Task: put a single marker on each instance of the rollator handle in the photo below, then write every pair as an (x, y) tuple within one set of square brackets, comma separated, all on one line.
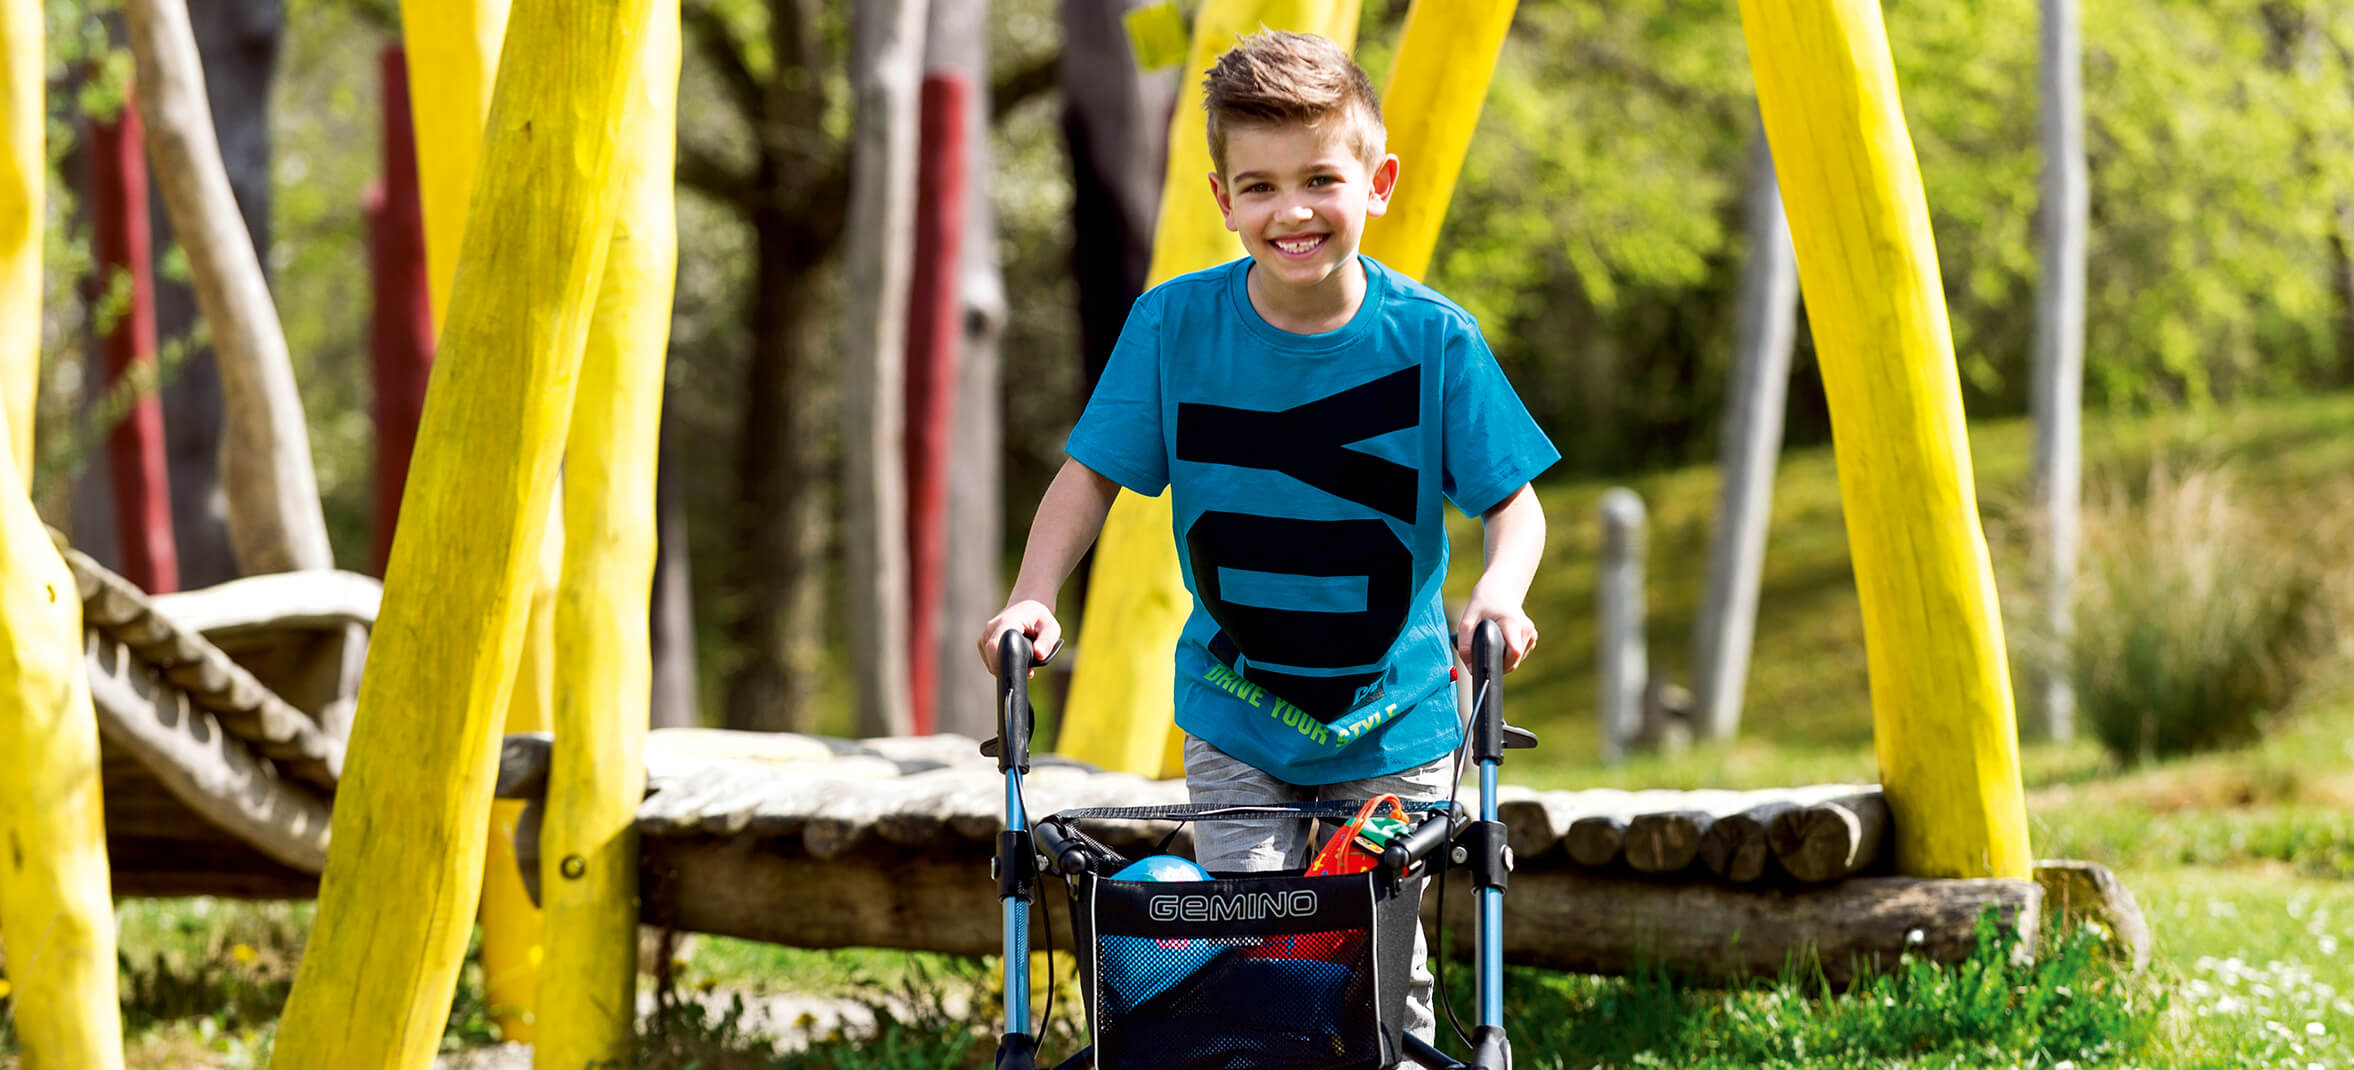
[(1434, 832), (1011, 747), (1490, 736), (1060, 851)]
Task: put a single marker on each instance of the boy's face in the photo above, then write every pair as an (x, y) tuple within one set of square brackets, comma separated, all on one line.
[(1299, 196)]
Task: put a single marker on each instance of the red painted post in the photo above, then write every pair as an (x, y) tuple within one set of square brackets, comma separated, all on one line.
[(935, 329), (134, 448), (400, 333)]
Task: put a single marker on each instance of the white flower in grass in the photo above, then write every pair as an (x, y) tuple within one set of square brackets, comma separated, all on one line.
[(2064, 1064), (2316, 1029), (1915, 938), (2327, 945)]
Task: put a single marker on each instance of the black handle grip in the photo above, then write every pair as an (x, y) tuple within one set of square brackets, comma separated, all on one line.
[(1014, 717), (1487, 711), (1433, 833), (1061, 851)]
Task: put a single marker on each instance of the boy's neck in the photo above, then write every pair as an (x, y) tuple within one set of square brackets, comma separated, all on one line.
[(1327, 306)]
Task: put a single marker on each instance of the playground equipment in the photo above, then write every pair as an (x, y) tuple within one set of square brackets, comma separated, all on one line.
[(879, 843)]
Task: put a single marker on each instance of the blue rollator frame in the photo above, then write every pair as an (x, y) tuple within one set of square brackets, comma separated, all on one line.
[(1442, 840)]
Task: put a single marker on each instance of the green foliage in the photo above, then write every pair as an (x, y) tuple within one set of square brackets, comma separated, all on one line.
[(1596, 230), (2196, 621), (1989, 1010)]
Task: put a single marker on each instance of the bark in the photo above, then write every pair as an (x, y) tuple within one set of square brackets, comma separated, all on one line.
[(238, 42), (782, 524), (2342, 265), (1116, 125), (958, 40), (274, 516), (887, 68), (1747, 454), (671, 630), (2057, 390)]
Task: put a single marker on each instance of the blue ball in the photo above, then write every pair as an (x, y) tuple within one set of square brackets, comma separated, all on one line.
[(1136, 968), (1162, 868)]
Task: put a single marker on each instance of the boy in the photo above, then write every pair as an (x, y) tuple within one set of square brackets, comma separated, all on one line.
[(1311, 412)]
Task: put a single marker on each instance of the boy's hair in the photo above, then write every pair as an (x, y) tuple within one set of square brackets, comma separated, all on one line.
[(1273, 77)]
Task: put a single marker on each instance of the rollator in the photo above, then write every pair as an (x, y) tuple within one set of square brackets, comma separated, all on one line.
[(1260, 971)]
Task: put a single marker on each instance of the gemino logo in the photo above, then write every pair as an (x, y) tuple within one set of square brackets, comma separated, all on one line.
[(1245, 906)]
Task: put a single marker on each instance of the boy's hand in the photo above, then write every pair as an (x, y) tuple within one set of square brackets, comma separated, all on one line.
[(1520, 633), (1029, 617)]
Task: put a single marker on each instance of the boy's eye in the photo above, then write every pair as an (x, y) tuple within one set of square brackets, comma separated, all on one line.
[(1257, 187), (1322, 180)]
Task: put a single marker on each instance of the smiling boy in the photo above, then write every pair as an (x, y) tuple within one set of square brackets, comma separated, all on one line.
[(1311, 413)]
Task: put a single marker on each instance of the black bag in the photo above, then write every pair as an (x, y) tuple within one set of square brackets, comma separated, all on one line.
[(1249, 972)]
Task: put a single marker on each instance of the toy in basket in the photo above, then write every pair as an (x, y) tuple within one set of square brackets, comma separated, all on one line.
[(1297, 970)]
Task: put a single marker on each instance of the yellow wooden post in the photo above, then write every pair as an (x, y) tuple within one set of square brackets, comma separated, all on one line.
[(510, 923), (21, 165), (1446, 59), (453, 52), (56, 910), (1941, 693), (588, 843), (406, 866)]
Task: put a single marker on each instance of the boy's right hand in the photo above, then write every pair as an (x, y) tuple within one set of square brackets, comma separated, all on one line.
[(1029, 617)]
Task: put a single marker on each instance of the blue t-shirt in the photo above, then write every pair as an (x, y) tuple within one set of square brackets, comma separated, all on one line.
[(1307, 474)]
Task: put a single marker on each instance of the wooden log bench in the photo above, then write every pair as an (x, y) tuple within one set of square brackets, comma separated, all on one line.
[(824, 843)]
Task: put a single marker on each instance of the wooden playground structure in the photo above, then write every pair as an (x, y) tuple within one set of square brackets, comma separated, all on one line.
[(285, 770)]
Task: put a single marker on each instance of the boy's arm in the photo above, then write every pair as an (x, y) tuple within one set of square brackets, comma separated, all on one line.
[(1514, 539), (1069, 517)]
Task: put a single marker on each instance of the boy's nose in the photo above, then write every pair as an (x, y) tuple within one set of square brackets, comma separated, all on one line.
[(1301, 212)]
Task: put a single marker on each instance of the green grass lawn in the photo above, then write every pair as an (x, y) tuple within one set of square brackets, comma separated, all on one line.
[(2243, 860)]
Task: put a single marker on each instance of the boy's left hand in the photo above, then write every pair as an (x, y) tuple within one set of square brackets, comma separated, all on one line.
[(1520, 633)]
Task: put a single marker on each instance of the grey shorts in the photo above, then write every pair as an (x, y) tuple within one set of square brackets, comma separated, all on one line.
[(1215, 777)]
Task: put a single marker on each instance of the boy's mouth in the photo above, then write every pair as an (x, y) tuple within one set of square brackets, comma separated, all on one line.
[(1305, 245)]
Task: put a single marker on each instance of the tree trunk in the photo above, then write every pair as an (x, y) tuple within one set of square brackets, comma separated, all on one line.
[(958, 40), (783, 523), (237, 41), (134, 447), (1747, 455), (274, 517), (1116, 125), (2341, 246), (887, 67), (934, 349), (2058, 387), (671, 629), (400, 330)]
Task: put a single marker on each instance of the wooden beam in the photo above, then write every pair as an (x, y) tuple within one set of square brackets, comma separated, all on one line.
[(1702, 932), (209, 771)]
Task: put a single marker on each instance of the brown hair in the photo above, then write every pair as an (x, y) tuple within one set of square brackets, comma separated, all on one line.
[(1274, 77)]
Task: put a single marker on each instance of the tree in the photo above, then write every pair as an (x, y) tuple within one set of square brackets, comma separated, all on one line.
[(778, 72), (2058, 387)]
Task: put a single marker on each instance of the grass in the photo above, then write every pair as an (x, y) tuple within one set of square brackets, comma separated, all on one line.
[(2243, 859)]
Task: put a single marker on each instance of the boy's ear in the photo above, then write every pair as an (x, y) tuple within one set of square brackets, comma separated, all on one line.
[(1385, 182), (1225, 201)]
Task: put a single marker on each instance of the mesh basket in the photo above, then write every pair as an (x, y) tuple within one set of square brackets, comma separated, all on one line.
[(1266, 971)]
